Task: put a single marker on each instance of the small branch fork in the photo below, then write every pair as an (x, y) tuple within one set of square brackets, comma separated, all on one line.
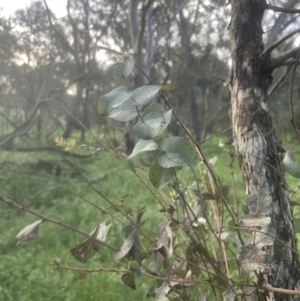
[(279, 290)]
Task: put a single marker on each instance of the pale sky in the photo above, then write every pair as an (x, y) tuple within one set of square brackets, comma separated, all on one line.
[(10, 6)]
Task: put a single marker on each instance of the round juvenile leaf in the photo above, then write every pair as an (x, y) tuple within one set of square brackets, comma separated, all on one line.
[(155, 107), (143, 131), (160, 177), (124, 66), (113, 99), (127, 64), (149, 157), (117, 71), (147, 129), (143, 95), (133, 265), (124, 112), (176, 151), (153, 125), (158, 119), (141, 146)]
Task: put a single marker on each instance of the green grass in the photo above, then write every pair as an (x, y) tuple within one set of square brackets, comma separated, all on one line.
[(27, 270)]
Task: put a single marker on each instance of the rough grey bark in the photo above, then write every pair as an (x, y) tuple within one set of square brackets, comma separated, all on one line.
[(256, 145)]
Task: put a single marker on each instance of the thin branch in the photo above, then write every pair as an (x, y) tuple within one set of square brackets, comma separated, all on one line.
[(13, 204), (24, 127), (107, 49), (175, 279), (283, 9), (277, 64), (83, 270), (72, 82), (280, 80), (280, 290), (287, 55), (49, 13), (101, 209), (280, 41)]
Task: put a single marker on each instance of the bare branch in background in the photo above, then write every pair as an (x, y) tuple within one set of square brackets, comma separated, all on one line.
[(283, 9), (287, 55), (7, 119), (284, 59), (279, 42), (280, 80), (24, 128)]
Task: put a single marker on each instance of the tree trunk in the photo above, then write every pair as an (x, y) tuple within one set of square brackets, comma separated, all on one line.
[(256, 145), (191, 82)]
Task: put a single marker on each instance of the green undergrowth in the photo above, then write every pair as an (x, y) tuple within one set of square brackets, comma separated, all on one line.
[(52, 185)]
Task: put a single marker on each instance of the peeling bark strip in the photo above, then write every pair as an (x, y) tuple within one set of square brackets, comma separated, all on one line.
[(255, 141)]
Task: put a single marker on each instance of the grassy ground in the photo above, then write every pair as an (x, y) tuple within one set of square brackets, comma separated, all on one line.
[(32, 179)]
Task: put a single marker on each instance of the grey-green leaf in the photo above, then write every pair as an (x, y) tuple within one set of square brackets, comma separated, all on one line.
[(176, 151), (124, 112), (127, 64), (143, 95), (155, 107), (113, 99), (160, 177), (141, 146), (149, 157), (154, 124)]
